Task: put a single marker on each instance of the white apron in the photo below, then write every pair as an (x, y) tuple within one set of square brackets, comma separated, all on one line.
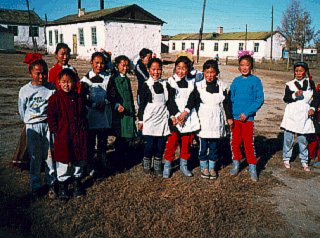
[(156, 115), (295, 116), (211, 112), (181, 98)]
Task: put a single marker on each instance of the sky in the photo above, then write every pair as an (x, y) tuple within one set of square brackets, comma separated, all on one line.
[(184, 16)]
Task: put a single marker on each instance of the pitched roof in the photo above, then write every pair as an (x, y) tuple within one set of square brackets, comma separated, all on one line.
[(19, 17), (130, 13), (224, 36)]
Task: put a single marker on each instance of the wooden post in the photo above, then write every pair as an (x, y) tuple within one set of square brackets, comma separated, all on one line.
[(201, 30), (271, 46), (30, 28)]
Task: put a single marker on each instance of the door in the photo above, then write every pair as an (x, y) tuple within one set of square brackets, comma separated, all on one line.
[(75, 44)]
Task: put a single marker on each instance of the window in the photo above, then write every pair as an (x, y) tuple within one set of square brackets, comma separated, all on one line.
[(173, 46), (216, 47), (81, 36), (94, 35), (183, 46), (240, 46), (225, 47), (50, 38), (61, 38), (202, 46), (192, 45), (256, 47), (33, 31), (13, 29), (56, 36)]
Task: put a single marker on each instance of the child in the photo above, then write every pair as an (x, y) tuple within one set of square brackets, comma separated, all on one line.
[(153, 116), (94, 85), (210, 96), (299, 96), (246, 96), (67, 121), (181, 133), (141, 69), (119, 93), (33, 105), (62, 55)]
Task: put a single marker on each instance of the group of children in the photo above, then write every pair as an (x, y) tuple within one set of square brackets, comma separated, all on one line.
[(68, 123)]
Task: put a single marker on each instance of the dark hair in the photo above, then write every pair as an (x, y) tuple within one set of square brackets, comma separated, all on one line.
[(119, 58), (155, 60), (62, 46), (143, 53), (303, 65), (39, 62), (211, 64), (98, 54), (249, 58), (68, 72), (185, 60)]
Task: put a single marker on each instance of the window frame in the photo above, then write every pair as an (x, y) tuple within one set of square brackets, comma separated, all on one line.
[(50, 38), (256, 47), (94, 38), (13, 29), (226, 47), (216, 46), (33, 31), (81, 36)]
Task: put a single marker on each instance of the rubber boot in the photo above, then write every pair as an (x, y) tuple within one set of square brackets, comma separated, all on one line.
[(63, 191), (212, 165), (146, 163), (157, 166), (235, 167), (167, 169), (253, 172), (204, 169), (184, 168), (77, 188)]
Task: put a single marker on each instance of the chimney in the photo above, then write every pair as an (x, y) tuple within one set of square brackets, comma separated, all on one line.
[(81, 12), (79, 4), (219, 29), (101, 4)]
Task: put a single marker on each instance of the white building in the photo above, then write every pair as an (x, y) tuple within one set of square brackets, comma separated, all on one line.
[(6, 40), (17, 22), (308, 51), (121, 30), (228, 44)]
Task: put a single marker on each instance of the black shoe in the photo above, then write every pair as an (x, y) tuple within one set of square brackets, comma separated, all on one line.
[(77, 188), (63, 191)]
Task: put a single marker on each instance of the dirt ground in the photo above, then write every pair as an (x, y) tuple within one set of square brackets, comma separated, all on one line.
[(127, 203)]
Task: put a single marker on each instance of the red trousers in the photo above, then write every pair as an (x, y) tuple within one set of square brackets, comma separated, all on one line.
[(314, 146), (243, 132), (172, 145)]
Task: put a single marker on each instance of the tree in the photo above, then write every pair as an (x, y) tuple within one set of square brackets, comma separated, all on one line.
[(297, 27)]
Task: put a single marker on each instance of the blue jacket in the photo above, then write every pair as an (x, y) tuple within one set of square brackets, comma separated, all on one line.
[(246, 96)]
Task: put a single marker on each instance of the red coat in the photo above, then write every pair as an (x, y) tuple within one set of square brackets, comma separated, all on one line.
[(67, 119), (54, 72)]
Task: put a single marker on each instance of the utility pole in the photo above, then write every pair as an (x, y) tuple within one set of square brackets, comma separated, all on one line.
[(245, 41), (271, 46), (201, 30), (31, 29)]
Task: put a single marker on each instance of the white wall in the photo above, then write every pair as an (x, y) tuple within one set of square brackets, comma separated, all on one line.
[(6, 41), (308, 51)]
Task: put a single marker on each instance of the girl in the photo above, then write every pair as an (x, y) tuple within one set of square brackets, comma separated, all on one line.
[(62, 55), (299, 96), (246, 96), (189, 121), (210, 96), (153, 116), (67, 121), (119, 93), (33, 105), (94, 86)]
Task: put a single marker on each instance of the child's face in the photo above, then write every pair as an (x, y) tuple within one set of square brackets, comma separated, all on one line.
[(146, 59), (63, 56), (97, 64), (38, 75), (299, 73), (123, 67), (66, 83), (181, 70), (210, 74), (245, 67), (155, 71)]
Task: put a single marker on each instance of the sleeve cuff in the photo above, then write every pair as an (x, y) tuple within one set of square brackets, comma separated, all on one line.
[(116, 106), (294, 96), (178, 114), (187, 110)]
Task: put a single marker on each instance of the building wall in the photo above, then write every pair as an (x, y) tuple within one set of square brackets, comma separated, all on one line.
[(233, 47), (119, 38), (308, 51), (6, 41), (23, 39)]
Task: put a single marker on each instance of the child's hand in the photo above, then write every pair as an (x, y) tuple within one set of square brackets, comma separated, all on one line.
[(182, 116), (299, 93), (120, 108), (140, 126), (174, 121), (230, 122), (242, 117), (310, 112)]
